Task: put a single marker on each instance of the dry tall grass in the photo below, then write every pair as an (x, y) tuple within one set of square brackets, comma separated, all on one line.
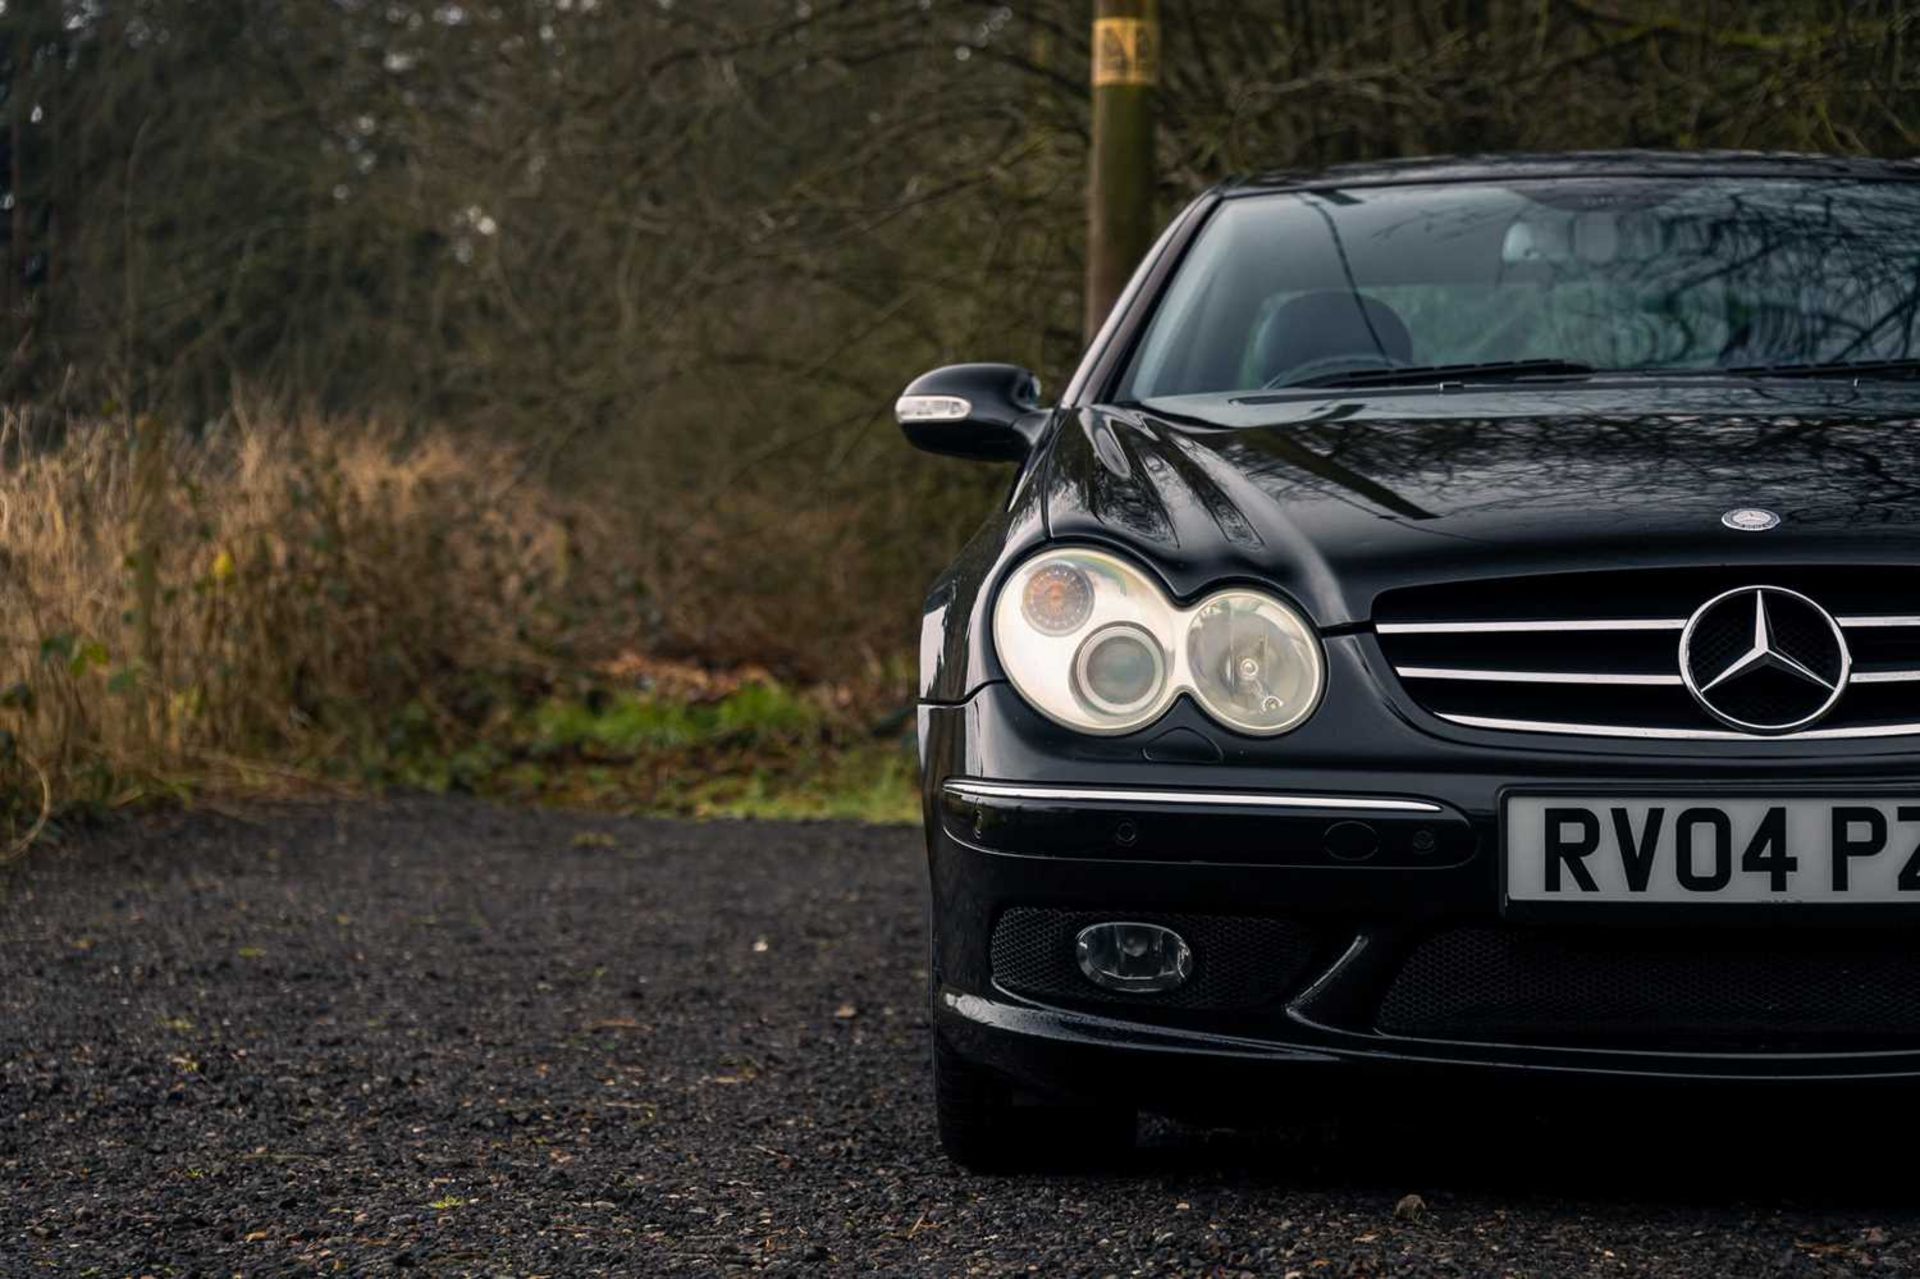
[(258, 603)]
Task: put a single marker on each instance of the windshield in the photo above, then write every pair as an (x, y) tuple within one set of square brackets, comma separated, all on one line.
[(1636, 273)]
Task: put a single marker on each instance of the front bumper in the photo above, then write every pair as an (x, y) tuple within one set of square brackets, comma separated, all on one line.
[(1365, 862)]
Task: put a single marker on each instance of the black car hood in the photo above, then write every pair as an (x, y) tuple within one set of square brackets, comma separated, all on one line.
[(1336, 500)]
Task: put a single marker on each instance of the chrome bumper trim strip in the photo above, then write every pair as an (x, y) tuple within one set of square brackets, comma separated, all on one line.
[(1197, 798)]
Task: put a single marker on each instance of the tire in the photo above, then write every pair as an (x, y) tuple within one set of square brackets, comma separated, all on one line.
[(984, 1128)]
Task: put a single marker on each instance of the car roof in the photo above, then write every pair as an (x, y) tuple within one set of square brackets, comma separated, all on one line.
[(1576, 164)]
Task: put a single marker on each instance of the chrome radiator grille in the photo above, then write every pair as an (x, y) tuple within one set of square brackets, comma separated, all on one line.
[(1598, 654)]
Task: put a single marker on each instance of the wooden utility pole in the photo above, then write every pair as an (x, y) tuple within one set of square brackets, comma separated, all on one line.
[(19, 93), (1126, 68)]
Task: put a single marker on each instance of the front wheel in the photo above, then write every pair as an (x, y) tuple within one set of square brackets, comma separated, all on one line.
[(984, 1127)]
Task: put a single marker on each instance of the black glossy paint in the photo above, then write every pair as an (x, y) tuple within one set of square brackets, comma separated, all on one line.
[(1006, 420), (1332, 498)]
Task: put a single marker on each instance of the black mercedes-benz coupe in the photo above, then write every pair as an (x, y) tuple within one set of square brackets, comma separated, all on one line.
[(1461, 616)]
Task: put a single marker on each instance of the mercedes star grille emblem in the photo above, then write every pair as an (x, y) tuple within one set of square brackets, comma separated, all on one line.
[(1750, 519), (1764, 659)]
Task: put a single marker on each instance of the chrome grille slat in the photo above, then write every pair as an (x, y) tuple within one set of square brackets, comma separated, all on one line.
[(1489, 676), (1523, 627), (1542, 677), (1677, 734), (1517, 655), (1867, 623)]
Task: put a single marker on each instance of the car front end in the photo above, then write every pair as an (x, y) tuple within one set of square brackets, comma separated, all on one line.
[(1519, 718)]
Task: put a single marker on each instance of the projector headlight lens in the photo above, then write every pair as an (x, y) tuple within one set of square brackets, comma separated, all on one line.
[(1119, 669), (1091, 642)]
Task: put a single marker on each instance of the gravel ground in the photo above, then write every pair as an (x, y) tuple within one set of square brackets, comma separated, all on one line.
[(444, 1037)]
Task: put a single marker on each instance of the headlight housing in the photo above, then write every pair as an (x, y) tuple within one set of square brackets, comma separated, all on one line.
[(1092, 643)]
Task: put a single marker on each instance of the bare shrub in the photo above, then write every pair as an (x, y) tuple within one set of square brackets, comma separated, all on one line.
[(311, 581)]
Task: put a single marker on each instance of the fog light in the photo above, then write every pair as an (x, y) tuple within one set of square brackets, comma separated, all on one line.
[(1139, 958)]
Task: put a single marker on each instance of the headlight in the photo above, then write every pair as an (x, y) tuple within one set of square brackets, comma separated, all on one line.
[(1088, 640), (1255, 666), (1091, 643)]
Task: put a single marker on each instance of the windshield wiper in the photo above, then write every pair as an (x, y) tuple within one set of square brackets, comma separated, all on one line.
[(1832, 368), (1421, 374)]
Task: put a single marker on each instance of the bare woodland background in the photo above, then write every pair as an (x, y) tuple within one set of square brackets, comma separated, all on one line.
[(661, 265)]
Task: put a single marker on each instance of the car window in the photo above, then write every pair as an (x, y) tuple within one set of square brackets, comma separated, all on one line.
[(1664, 273)]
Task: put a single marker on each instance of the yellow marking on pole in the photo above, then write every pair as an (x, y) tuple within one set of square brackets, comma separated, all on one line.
[(1126, 51)]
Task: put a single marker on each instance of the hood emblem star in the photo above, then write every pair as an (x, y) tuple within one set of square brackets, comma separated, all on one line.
[(1750, 519)]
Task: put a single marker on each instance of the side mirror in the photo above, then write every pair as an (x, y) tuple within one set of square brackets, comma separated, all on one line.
[(989, 411)]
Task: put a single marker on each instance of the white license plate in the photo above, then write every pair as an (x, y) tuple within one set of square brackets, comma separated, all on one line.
[(1592, 848)]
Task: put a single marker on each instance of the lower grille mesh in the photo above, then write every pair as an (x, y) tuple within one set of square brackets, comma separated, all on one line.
[(1237, 962), (1756, 990)]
